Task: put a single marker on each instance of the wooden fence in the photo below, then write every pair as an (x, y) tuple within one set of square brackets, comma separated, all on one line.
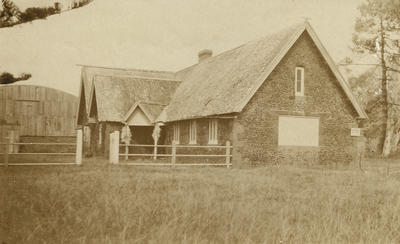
[(115, 153), (9, 150)]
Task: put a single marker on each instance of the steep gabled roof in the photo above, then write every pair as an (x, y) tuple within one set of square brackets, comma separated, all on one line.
[(89, 72), (114, 95), (150, 109), (225, 83)]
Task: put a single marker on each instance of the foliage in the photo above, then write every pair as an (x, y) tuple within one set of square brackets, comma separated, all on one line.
[(9, 13), (103, 204), (81, 3), (126, 134), (376, 32), (156, 132), (7, 78), (365, 86), (36, 13)]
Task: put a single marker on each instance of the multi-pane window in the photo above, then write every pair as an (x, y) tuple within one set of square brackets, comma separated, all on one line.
[(192, 132), (176, 133), (213, 131), (299, 81)]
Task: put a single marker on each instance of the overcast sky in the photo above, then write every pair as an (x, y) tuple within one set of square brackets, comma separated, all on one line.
[(158, 34)]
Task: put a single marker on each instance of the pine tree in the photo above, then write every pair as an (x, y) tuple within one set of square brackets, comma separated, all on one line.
[(375, 32), (9, 13)]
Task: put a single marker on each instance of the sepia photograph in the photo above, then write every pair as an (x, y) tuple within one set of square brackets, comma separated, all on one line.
[(199, 121)]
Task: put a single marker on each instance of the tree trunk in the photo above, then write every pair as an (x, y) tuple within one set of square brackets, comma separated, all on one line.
[(395, 141), (388, 139), (389, 126)]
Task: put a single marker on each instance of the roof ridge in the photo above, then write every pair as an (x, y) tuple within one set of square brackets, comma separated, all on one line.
[(138, 77), (152, 103), (212, 58), (126, 69)]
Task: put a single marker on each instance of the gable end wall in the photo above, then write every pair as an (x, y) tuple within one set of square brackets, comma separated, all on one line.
[(255, 131)]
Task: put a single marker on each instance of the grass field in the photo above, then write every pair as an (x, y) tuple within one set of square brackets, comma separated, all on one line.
[(107, 204)]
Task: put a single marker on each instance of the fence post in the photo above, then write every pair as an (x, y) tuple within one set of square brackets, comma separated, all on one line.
[(114, 147), (126, 152), (173, 158), (155, 150), (228, 154), (79, 147), (111, 147), (6, 152)]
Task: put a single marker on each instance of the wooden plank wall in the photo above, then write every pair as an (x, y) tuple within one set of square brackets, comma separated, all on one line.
[(39, 111)]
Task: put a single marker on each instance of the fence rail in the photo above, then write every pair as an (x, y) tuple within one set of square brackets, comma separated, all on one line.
[(8, 148), (115, 153)]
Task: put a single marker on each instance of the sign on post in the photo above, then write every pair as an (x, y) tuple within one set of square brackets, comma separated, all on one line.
[(355, 132)]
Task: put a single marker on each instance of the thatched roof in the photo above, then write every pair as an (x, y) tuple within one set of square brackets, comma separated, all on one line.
[(89, 72), (222, 84), (225, 83), (114, 95)]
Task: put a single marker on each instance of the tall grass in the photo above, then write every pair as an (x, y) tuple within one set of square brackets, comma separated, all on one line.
[(103, 204)]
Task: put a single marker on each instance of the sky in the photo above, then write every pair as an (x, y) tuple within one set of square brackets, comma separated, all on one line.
[(158, 34)]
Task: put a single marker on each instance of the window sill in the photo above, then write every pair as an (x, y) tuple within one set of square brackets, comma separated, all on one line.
[(192, 143), (213, 143)]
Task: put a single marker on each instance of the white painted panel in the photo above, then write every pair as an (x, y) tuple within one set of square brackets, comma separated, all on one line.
[(298, 131), (355, 132), (138, 117)]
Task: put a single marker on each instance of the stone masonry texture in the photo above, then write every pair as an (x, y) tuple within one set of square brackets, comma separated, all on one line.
[(256, 127)]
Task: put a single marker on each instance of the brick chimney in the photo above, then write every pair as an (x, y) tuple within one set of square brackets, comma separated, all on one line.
[(204, 54)]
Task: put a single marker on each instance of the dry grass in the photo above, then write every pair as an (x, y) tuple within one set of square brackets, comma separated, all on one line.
[(105, 204)]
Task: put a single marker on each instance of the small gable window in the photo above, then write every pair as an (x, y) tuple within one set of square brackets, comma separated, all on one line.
[(192, 132), (299, 81), (176, 133), (213, 131)]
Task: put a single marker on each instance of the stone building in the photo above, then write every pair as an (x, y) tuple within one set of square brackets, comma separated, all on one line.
[(279, 98)]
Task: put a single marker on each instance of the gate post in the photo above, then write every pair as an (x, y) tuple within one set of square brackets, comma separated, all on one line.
[(114, 147), (79, 147)]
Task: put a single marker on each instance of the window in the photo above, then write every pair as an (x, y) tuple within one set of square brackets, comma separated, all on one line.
[(192, 132), (299, 81), (298, 131), (213, 131), (176, 133)]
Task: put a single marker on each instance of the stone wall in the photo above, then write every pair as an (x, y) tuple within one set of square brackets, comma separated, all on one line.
[(256, 129)]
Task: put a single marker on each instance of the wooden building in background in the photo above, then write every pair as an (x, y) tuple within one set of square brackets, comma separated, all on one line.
[(36, 111)]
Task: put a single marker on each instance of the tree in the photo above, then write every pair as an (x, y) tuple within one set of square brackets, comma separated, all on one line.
[(7, 78), (36, 13), (376, 33), (9, 13)]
